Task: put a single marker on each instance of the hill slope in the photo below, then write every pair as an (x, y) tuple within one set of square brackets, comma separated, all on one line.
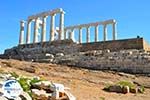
[(85, 84)]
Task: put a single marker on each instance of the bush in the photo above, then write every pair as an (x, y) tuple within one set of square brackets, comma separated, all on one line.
[(34, 81), (106, 88), (13, 74), (132, 87), (24, 84), (141, 89), (126, 83)]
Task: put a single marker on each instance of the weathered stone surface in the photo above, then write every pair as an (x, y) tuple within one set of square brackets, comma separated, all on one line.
[(90, 56), (42, 90), (29, 69), (3, 98), (25, 96), (126, 89), (134, 90), (116, 88), (59, 54)]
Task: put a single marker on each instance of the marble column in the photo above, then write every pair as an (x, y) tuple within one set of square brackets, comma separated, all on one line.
[(61, 26), (96, 33), (35, 38), (71, 34), (28, 31), (52, 28), (105, 32), (21, 37), (114, 31), (65, 34), (43, 36), (88, 34), (80, 35)]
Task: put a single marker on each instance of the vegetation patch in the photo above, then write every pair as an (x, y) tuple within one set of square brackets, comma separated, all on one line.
[(124, 87)]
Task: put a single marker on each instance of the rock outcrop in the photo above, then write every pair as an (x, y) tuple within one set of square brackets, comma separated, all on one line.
[(36, 89)]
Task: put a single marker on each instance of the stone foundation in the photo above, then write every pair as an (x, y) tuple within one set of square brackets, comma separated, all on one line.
[(128, 55)]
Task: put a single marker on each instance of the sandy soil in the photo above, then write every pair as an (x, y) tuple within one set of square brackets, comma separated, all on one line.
[(84, 84)]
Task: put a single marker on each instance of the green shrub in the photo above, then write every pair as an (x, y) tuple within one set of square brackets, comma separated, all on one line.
[(24, 84), (34, 81), (13, 74), (141, 89), (106, 88), (126, 83)]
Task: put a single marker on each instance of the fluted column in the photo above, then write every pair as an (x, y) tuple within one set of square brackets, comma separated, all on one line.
[(43, 36), (80, 35), (96, 33), (105, 32), (114, 31), (35, 38), (28, 31), (61, 26), (52, 28), (88, 34), (21, 37)]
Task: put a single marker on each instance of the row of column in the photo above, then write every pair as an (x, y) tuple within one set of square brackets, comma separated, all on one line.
[(71, 32), (41, 22)]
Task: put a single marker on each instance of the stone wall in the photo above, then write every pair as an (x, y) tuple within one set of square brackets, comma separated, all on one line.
[(146, 46), (128, 55), (129, 61), (135, 43)]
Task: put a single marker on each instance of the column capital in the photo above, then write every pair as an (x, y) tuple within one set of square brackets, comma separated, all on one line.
[(44, 16), (53, 14), (88, 27), (96, 25), (80, 28), (30, 20), (114, 23), (22, 21), (62, 12)]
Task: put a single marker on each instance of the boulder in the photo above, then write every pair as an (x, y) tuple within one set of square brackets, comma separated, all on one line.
[(126, 89), (59, 54), (25, 96), (3, 98), (115, 88), (40, 94), (134, 90), (50, 56), (29, 69)]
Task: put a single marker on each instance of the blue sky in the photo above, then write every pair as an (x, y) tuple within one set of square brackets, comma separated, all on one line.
[(132, 16)]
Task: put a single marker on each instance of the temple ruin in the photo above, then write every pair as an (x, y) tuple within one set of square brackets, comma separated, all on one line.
[(88, 51), (40, 22)]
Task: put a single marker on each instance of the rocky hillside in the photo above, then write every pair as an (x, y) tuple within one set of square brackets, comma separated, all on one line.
[(84, 84)]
